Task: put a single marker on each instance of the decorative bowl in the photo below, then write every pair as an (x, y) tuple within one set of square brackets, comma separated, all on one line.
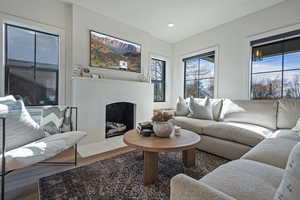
[(163, 129)]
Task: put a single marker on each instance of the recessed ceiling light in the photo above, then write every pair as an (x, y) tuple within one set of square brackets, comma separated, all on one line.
[(170, 25)]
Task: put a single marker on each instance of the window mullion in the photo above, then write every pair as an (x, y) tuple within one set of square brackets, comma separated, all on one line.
[(282, 67), (34, 69)]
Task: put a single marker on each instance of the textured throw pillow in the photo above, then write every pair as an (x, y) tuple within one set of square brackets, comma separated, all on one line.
[(53, 118), (20, 128), (289, 188), (200, 110), (182, 108)]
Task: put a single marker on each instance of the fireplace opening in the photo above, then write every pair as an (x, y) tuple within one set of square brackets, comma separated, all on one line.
[(119, 118)]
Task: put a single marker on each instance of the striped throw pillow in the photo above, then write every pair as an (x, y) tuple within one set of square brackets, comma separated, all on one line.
[(53, 118)]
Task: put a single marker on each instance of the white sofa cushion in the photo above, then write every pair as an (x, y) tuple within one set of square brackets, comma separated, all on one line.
[(20, 128), (288, 113), (286, 133), (289, 188), (243, 133), (259, 112), (191, 124), (245, 179), (200, 109), (41, 150), (273, 151), (182, 107)]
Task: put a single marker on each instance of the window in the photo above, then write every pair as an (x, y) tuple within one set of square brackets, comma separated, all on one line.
[(31, 65), (199, 75), (276, 70), (159, 79)]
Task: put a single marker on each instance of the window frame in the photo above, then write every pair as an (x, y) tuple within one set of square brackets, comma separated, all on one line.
[(163, 81), (199, 56), (6, 69), (282, 54)]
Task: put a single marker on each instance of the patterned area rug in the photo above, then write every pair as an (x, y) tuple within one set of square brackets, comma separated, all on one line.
[(121, 177)]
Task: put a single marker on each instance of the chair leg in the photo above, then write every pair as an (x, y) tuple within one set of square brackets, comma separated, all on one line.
[(75, 152), (2, 186)]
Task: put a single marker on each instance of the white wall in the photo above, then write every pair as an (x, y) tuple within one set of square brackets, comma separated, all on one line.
[(75, 22), (85, 20), (232, 40), (49, 16)]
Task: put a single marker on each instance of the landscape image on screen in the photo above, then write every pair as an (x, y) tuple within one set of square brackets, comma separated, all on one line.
[(113, 53)]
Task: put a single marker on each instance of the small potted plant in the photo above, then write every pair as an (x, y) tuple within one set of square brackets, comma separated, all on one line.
[(162, 124)]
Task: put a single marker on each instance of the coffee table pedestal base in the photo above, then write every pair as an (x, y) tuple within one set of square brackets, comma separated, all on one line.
[(150, 167), (188, 157)]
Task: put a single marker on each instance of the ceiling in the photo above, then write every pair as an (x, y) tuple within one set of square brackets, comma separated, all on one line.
[(189, 16)]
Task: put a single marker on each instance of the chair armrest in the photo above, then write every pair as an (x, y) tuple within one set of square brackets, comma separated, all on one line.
[(186, 188)]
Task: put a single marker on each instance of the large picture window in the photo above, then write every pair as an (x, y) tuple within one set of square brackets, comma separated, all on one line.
[(158, 68), (31, 65), (199, 75), (276, 70)]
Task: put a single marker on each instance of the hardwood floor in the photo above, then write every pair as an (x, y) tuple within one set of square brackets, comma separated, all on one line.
[(32, 192)]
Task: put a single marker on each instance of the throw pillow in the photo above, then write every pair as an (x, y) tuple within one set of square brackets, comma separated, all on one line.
[(7, 99), (20, 128), (67, 125), (52, 118), (297, 127), (201, 110), (289, 188), (182, 108)]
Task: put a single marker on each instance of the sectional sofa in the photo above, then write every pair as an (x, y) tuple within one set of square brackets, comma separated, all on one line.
[(258, 135), (239, 125)]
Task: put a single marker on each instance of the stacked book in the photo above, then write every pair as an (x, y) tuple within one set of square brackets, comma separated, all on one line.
[(145, 128)]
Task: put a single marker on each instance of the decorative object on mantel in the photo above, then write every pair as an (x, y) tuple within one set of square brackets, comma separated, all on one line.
[(162, 124), (85, 71), (145, 128)]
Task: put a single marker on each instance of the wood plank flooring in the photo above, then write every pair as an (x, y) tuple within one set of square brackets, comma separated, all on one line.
[(31, 192)]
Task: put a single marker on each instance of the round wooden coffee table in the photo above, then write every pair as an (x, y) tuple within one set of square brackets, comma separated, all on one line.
[(151, 146)]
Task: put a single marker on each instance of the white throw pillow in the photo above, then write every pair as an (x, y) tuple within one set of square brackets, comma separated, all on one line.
[(201, 110), (20, 128), (182, 108), (7, 99), (289, 188)]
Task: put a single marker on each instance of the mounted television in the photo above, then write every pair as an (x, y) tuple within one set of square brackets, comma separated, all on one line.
[(113, 53)]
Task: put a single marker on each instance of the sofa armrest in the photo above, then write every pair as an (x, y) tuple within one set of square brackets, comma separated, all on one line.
[(186, 188)]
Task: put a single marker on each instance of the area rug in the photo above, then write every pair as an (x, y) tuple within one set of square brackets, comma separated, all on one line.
[(121, 178)]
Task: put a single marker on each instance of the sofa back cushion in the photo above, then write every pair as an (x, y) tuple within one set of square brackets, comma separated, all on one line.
[(258, 112), (20, 128), (289, 187), (288, 113)]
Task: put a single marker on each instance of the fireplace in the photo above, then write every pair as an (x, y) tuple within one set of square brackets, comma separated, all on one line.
[(120, 117)]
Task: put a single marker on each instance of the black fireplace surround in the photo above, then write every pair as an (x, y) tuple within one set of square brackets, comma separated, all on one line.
[(119, 118)]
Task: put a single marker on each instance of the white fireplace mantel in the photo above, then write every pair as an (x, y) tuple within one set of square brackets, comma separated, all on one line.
[(91, 97)]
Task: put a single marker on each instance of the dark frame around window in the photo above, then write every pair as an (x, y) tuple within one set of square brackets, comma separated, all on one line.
[(281, 71), (210, 54), (156, 82), (35, 66)]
